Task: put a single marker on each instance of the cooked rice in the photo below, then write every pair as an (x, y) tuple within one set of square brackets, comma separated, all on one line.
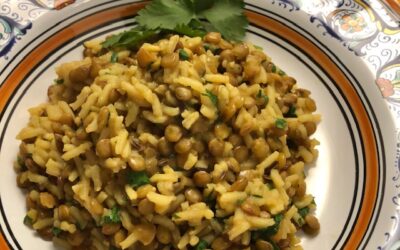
[(103, 170)]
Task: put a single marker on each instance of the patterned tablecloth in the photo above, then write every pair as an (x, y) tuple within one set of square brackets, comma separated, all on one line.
[(369, 28)]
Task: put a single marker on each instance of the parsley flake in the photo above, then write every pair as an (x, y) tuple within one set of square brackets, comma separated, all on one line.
[(201, 245), (183, 55), (59, 81), (280, 123), (56, 231), (112, 217), (137, 179), (213, 97), (273, 69), (269, 231), (261, 94), (292, 112), (304, 211)]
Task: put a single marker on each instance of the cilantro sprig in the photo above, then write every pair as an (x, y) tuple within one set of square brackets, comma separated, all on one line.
[(184, 17)]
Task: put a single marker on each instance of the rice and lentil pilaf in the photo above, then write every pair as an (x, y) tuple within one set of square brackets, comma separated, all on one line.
[(187, 143)]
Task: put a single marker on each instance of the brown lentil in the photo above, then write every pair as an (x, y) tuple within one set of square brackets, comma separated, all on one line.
[(201, 178), (173, 133), (183, 94), (183, 146), (193, 195), (103, 148), (263, 245), (137, 163), (216, 147), (241, 153)]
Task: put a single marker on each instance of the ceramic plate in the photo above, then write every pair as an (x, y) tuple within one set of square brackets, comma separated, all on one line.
[(345, 51)]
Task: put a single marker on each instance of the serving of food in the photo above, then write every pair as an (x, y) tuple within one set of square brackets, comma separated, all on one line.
[(181, 143)]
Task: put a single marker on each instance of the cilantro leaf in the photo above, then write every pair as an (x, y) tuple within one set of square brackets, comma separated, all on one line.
[(137, 179), (129, 39), (226, 14), (56, 231), (201, 245), (113, 217), (213, 98), (189, 30), (280, 123), (165, 14)]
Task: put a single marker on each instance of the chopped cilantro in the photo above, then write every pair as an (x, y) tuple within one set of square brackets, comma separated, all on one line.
[(213, 98), (304, 211), (280, 123), (137, 179), (261, 94), (183, 55), (114, 57), (59, 81), (113, 217), (214, 49), (281, 72), (257, 196), (56, 231), (269, 231), (273, 69), (258, 47), (291, 112), (210, 200), (201, 245), (28, 220)]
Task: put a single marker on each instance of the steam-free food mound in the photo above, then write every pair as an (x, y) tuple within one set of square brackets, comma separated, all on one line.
[(185, 143)]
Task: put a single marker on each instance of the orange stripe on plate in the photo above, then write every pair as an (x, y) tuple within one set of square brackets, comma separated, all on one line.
[(395, 5), (96, 20), (3, 244), (367, 134)]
